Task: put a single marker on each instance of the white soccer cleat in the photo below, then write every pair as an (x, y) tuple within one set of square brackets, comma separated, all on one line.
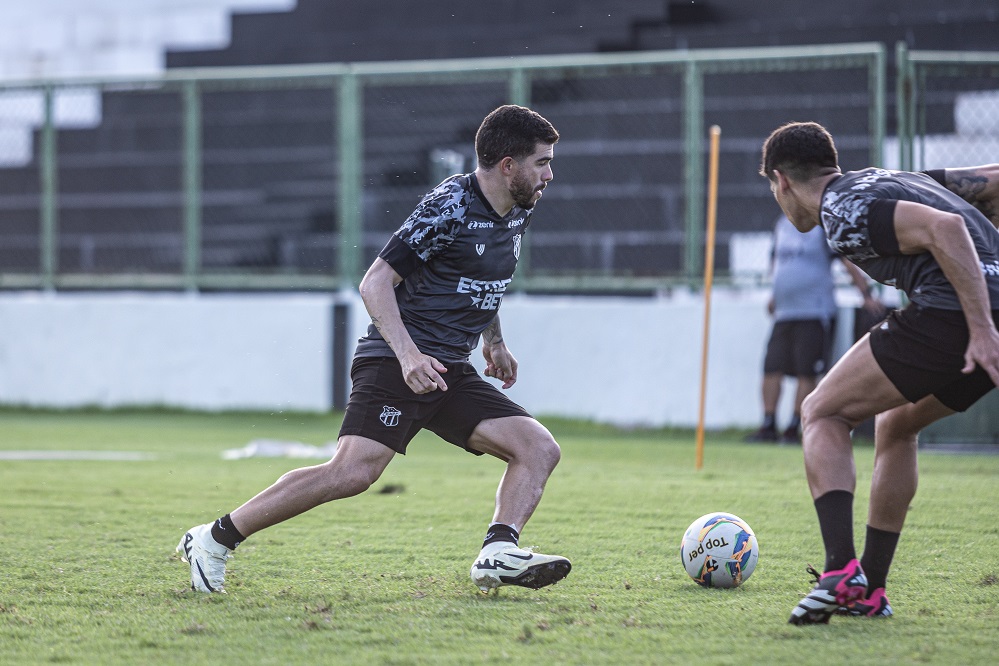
[(504, 563), (207, 558)]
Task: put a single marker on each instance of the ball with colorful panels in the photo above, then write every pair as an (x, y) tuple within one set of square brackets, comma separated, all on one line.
[(719, 550)]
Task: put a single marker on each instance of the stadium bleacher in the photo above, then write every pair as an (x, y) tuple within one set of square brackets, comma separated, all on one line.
[(268, 161)]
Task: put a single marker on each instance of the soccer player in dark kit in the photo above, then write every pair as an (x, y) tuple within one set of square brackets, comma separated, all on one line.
[(432, 292), (934, 236)]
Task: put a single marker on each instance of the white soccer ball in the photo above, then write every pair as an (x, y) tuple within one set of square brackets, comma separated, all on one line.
[(719, 550)]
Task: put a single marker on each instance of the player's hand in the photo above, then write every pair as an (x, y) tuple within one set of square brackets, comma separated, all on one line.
[(423, 373), (983, 350), (500, 364)]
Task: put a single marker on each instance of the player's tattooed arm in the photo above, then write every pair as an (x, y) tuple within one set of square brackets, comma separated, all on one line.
[(500, 363), (493, 335), (979, 186)]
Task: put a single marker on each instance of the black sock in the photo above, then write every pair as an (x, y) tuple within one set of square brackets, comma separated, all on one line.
[(879, 551), (226, 533), (795, 423), (769, 421), (835, 510), (501, 532)]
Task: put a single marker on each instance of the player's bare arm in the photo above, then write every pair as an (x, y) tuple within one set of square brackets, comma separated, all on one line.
[(500, 363), (859, 279), (422, 372), (979, 186), (920, 228)]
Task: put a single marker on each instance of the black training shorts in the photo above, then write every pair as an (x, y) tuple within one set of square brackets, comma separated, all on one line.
[(800, 348), (383, 408), (922, 352)]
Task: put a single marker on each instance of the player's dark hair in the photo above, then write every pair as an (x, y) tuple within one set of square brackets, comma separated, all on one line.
[(800, 151), (511, 131)]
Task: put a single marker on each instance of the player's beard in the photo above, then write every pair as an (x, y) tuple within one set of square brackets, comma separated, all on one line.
[(523, 192)]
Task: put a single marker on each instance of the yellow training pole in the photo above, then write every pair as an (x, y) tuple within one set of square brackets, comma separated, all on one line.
[(709, 271)]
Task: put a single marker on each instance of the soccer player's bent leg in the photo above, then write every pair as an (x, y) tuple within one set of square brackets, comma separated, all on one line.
[(854, 390), (895, 476), (893, 485), (531, 454), (357, 464)]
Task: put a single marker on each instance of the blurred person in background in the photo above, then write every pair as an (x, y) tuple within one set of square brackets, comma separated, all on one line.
[(803, 307)]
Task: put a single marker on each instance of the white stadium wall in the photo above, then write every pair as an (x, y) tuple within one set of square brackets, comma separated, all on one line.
[(200, 352), (638, 361), (623, 361)]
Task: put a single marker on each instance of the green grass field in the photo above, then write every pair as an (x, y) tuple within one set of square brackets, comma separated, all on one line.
[(88, 572)]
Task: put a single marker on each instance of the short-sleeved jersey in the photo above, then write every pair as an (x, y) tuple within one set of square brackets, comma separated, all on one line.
[(858, 216), (803, 282), (457, 257)]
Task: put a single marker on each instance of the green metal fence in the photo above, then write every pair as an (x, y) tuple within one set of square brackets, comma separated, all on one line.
[(948, 108), (293, 177)]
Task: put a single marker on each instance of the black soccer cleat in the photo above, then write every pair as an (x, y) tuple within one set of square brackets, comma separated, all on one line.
[(833, 589), (876, 605)]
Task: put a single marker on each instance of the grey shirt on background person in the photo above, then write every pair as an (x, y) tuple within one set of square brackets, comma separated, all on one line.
[(803, 282)]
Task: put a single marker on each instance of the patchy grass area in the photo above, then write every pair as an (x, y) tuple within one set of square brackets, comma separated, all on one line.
[(90, 575)]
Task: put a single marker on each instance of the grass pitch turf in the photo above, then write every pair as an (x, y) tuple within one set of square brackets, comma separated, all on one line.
[(88, 573)]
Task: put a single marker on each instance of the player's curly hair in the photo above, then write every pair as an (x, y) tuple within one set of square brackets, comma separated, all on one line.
[(511, 131), (800, 151)]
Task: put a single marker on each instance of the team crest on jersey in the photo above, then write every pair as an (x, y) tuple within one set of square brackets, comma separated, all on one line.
[(480, 248), (390, 416), (516, 246)]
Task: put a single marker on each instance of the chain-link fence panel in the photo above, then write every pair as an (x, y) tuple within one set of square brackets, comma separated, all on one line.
[(956, 115), (615, 207), (416, 134), (268, 168), (22, 113), (120, 198), (749, 100)]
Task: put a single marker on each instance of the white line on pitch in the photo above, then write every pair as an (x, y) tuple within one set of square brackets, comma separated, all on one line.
[(75, 455)]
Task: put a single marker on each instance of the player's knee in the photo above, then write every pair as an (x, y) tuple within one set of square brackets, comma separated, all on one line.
[(892, 427), (810, 410), (540, 451), (549, 452), (349, 480), (819, 406)]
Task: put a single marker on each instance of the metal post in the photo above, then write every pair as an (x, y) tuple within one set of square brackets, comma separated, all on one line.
[(520, 93), (693, 174), (878, 112), (49, 241), (351, 161), (519, 87), (903, 105), (192, 184), (918, 117)]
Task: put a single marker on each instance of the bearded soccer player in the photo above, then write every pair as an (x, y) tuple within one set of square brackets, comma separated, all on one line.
[(432, 292), (934, 236)]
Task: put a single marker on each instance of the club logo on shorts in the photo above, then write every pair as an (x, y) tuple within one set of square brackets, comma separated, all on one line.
[(390, 416), (516, 246), (480, 248)]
